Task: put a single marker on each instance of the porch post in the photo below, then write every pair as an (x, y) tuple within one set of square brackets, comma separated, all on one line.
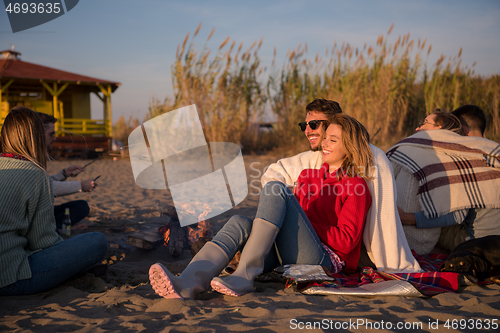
[(106, 91), (55, 94)]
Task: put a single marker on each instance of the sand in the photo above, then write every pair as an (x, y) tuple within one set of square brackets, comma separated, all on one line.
[(123, 300)]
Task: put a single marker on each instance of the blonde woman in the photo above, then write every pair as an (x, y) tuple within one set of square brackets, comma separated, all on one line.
[(33, 257), (322, 224)]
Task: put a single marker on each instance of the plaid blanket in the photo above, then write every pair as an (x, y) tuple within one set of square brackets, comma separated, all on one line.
[(428, 283), (454, 172)]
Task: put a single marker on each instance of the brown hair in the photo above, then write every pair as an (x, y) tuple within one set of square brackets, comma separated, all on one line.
[(46, 118), (23, 134), (328, 107), (448, 121), (356, 143), (471, 116)]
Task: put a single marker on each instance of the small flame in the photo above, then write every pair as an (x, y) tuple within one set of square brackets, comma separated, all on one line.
[(205, 213), (165, 231), (185, 209), (202, 229)]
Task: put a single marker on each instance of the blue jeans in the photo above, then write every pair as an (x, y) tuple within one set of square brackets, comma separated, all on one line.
[(296, 242), (55, 264), (78, 210)]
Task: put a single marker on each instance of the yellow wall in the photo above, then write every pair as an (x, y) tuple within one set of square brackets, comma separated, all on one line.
[(4, 109), (42, 106), (81, 104)]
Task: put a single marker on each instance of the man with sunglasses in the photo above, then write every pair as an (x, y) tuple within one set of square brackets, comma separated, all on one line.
[(385, 246), (317, 112)]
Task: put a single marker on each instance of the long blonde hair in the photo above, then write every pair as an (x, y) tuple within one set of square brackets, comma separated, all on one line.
[(23, 134), (356, 143)]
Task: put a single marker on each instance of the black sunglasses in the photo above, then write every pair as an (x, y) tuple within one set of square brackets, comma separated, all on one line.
[(313, 124)]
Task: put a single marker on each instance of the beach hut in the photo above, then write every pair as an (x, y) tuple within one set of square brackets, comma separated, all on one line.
[(62, 94)]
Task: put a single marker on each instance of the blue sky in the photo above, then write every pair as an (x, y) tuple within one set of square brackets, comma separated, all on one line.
[(134, 42)]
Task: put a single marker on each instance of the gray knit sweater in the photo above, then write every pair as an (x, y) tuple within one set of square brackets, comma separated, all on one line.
[(27, 222)]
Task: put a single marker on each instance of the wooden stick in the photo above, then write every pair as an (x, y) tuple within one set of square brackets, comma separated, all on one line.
[(86, 165)]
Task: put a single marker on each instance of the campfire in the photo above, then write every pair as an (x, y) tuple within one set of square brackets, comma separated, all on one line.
[(177, 238), (193, 236)]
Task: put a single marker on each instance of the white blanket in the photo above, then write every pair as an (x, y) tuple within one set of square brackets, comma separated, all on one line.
[(383, 236)]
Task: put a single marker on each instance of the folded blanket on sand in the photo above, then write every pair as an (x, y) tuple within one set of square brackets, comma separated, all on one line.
[(454, 172), (370, 282)]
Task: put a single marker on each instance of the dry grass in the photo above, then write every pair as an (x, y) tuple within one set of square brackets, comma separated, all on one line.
[(224, 88), (388, 87), (122, 128)]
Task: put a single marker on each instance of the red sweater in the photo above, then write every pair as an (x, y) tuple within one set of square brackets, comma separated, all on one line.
[(337, 210)]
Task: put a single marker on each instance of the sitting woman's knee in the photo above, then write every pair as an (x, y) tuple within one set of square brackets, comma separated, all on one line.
[(98, 242), (239, 221), (275, 188)]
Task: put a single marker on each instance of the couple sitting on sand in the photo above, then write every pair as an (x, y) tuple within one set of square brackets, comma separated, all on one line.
[(448, 180), (343, 198)]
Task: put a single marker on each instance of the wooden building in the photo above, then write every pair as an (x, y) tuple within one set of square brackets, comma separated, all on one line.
[(62, 94)]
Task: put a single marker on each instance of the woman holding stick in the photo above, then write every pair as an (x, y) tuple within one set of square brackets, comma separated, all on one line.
[(33, 257), (322, 224)]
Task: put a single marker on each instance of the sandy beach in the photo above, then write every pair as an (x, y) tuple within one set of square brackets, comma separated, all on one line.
[(123, 300)]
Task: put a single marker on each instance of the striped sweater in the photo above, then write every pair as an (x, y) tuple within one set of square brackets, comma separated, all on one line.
[(27, 222)]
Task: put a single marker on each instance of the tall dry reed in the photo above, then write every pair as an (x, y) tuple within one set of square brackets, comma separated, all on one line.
[(225, 88), (374, 85), (388, 87), (122, 128), (452, 85)]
